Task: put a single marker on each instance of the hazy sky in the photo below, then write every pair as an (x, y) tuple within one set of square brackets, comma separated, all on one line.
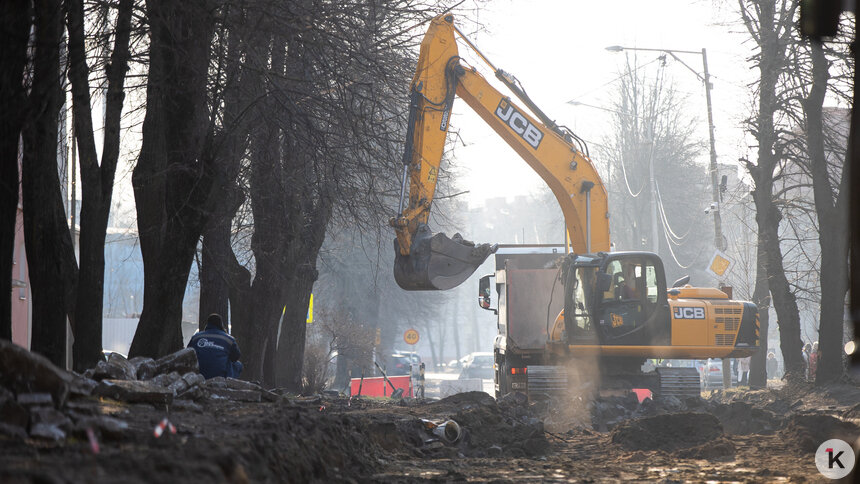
[(557, 51)]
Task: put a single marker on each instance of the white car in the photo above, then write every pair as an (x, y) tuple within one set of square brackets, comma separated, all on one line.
[(478, 365)]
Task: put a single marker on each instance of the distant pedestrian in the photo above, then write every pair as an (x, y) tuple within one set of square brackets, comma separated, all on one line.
[(743, 371), (772, 365), (735, 371), (217, 352), (813, 361)]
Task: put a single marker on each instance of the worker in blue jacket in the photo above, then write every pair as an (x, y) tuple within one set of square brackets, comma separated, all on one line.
[(217, 352)]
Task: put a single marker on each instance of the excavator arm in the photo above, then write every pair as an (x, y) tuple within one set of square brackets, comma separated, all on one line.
[(433, 261)]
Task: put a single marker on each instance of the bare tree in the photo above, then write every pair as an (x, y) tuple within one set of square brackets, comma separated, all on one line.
[(821, 148), (322, 115), (770, 23), (174, 174), (15, 21), (97, 179), (51, 258), (652, 134)]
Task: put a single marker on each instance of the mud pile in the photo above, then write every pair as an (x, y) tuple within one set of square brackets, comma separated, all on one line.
[(506, 428), (668, 432), (488, 428), (741, 418), (807, 432)]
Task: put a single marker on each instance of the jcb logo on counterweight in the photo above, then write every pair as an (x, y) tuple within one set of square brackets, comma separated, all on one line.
[(519, 123), (689, 313)]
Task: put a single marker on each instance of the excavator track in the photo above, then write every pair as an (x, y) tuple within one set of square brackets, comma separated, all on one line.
[(679, 382), (551, 380)]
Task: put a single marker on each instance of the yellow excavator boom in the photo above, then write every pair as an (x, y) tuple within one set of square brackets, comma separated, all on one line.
[(433, 261)]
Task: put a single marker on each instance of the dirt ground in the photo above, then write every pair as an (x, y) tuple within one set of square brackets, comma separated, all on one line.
[(761, 436)]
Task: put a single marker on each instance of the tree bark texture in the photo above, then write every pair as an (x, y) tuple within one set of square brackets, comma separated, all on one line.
[(230, 141), (15, 21), (761, 298), (830, 211), (267, 192), (96, 179), (174, 173), (214, 283), (46, 233), (770, 33)]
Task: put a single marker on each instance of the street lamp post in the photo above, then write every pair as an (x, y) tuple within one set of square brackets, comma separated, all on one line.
[(719, 241)]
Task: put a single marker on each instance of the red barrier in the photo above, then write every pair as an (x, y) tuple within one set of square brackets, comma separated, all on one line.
[(377, 387), (642, 394)]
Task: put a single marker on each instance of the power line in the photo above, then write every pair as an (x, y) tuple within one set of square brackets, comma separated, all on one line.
[(666, 219), (627, 183), (613, 80)]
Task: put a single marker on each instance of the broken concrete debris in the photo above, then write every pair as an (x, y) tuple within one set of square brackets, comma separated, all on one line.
[(39, 400), (135, 391), (24, 372)]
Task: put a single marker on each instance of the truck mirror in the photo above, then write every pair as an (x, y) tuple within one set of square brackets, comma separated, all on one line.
[(484, 292), (604, 282)]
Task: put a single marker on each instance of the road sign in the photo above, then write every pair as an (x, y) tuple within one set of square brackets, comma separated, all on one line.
[(310, 317), (720, 264), (410, 336)]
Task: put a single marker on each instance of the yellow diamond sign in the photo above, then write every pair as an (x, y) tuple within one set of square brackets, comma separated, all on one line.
[(720, 264)]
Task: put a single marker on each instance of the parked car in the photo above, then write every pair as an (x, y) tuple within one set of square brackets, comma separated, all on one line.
[(411, 354), (457, 364), (478, 365), (400, 364)]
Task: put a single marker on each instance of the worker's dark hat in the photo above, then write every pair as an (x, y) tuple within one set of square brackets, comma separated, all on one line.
[(214, 320)]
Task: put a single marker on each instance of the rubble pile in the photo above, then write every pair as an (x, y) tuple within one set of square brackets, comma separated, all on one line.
[(807, 432), (605, 413), (485, 428), (39, 400), (506, 428)]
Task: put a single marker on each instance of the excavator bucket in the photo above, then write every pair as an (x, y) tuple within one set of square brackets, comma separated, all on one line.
[(437, 262)]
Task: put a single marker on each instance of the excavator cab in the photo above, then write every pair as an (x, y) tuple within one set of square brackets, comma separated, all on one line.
[(630, 302), (437, 262)]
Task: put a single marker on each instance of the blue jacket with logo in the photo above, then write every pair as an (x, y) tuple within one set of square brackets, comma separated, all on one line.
[(216, 351)]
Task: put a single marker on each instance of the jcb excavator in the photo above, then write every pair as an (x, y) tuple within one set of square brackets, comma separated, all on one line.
[(557, 306)]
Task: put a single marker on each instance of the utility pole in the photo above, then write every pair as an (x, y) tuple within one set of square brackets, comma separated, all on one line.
[(655, 232), (719, 240)]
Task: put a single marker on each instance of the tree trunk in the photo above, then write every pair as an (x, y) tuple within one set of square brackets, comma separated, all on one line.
[(46, 233), (15, 20), (456, 320), (291, 344), (214, 265), (96, 179), (784, 301), (174, 173), (229, 141), (771, 25), (241, 304), (761, 298), (830, 211)]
